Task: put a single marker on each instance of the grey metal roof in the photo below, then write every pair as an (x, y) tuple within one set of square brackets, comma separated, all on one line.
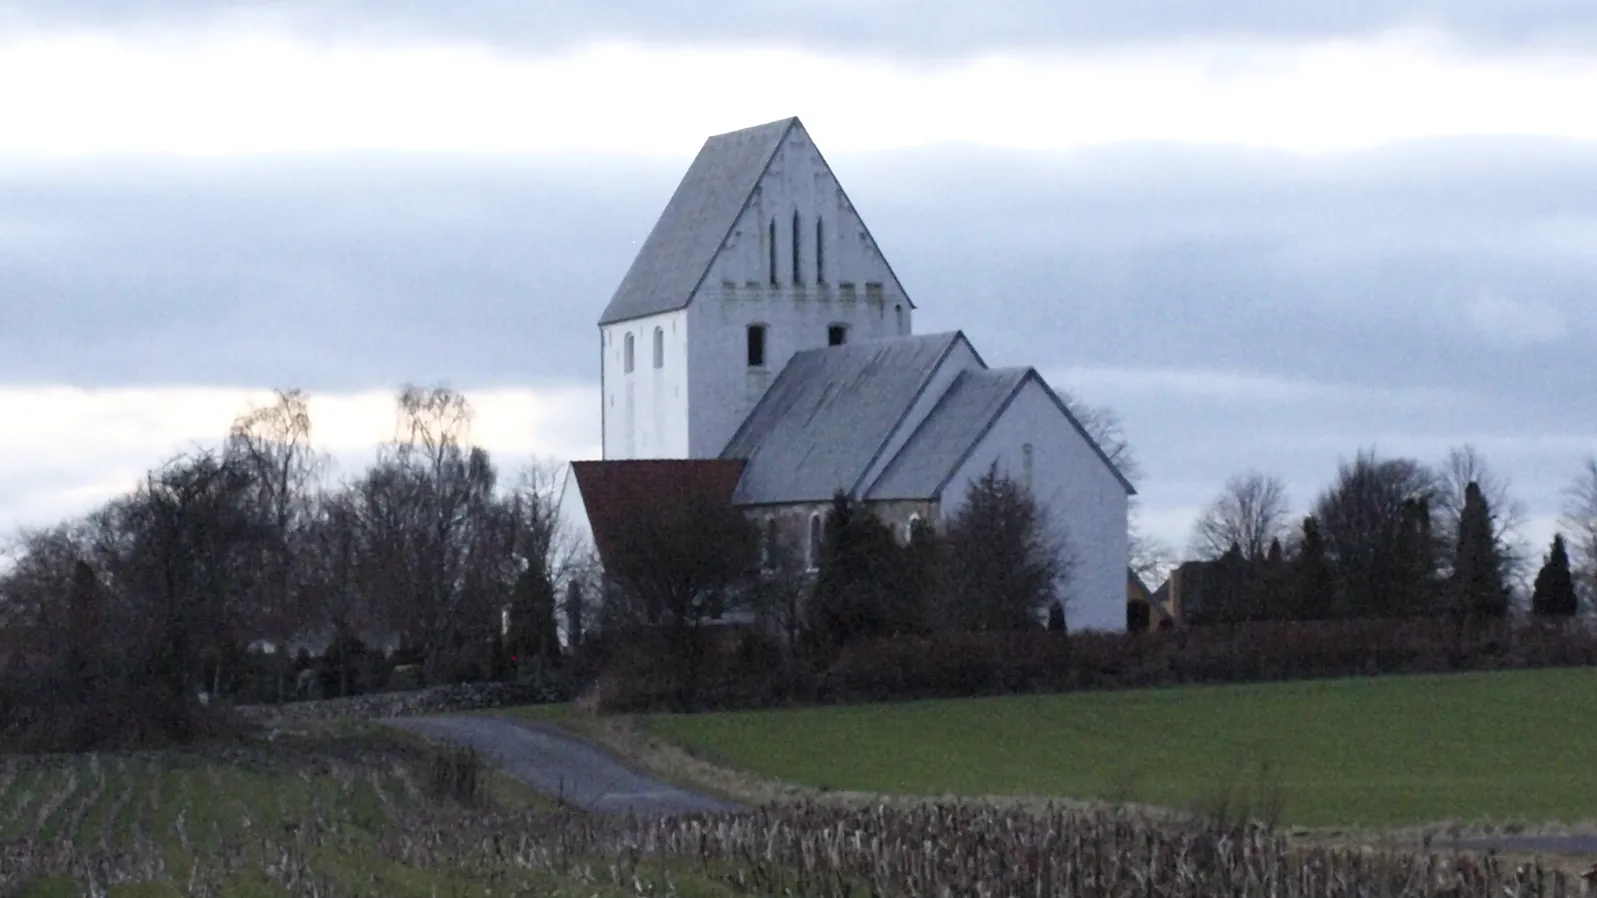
[(828, 415), (959, 420), (943, 441), (679, 250)]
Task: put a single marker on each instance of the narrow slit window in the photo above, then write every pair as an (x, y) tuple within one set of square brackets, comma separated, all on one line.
[(837, 335), (820, 253), (756, 348), (659, 347), (812, 552), (768, 548), (770, 245), (798, 277), (626, 355)]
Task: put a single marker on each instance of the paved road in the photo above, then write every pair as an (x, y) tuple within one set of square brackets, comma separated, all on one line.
[(1580, 844), (564, 767)]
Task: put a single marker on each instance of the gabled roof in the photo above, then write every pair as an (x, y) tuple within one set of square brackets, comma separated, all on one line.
[(945, 439), (696, 222), (829, 415), (613, 491)]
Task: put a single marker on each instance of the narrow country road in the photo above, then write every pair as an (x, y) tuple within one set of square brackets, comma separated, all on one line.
[(562, 766)]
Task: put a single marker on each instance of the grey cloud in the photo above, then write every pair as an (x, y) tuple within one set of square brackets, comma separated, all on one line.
[(1358, 271), (924, 30)]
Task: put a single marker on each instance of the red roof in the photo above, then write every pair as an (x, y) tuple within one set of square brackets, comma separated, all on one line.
[(613, 491)]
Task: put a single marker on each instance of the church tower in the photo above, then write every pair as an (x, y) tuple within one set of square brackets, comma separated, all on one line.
[(759, 254)]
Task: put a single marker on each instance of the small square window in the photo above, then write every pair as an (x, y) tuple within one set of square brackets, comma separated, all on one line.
[(837, 335)]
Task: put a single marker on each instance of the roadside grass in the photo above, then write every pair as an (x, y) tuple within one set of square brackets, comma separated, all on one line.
[(315, 807), (552, 712), (1494, 751)]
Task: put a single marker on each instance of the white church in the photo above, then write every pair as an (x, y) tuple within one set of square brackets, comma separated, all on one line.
[(761, 346)]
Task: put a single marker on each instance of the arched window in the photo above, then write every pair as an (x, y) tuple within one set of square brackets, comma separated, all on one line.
[(659, 347), (820, 252), (756, 346), (898, 313), (910, 527), (768, 545), (812, 549), (798, 276), (626, 354), (770, 245)]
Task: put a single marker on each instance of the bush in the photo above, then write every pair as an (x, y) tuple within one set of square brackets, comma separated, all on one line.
[(455, 776), (39, 718), (951, 665)]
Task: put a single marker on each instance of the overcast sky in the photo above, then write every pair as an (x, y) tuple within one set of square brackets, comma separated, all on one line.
[(1269, 236)]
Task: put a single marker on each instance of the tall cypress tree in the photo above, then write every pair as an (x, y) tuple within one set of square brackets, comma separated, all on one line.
[(1315, 585), (1554, 593), (1478, 584)]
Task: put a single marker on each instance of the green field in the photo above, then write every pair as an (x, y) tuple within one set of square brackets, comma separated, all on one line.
[(1500, 747)]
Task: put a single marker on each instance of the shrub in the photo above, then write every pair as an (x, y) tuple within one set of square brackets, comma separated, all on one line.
[(955, 664), (455, 776)]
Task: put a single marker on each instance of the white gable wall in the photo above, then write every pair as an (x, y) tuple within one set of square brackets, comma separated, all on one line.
[(854, 288), (1086, 503), (646, 411)]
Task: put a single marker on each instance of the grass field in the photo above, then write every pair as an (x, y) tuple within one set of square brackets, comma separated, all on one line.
[(1503, 747)]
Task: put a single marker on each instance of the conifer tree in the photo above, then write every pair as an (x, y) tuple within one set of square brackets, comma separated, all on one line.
[(1316, 589), (1478, 584), (1554, 594)]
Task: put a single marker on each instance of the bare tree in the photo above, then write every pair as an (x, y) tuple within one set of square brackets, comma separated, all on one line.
[(1250, 513), (273, 442), (447, 485), (675, 566), (1463, 466), (196, 548), (1580, 519)]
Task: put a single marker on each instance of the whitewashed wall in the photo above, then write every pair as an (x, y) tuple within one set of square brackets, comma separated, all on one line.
[(738, 292), (646, 411), (1086, 503)]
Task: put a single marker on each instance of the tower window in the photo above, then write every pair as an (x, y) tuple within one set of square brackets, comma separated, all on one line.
[(756, 349), (770, 252), (659, 347), (626, 354), (837, 335), (820, 253), (798, 278), (1026, 466), (898, 313)]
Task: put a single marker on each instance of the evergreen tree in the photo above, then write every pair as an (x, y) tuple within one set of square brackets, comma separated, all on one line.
[(864, 588), (1315, 587), (1554, 594), (1056, 617), (1003, 566), (1478, 585)]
